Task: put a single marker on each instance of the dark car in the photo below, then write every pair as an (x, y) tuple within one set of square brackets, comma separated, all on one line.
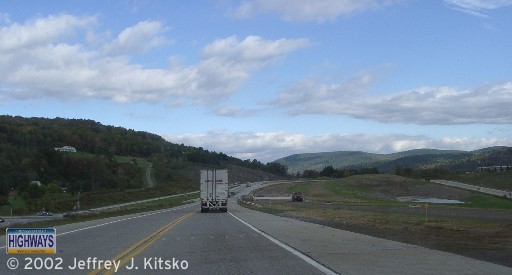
[(2, 220), (297, 196), (68, 215)]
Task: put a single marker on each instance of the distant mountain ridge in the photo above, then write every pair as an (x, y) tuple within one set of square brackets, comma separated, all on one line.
[(385, 163)]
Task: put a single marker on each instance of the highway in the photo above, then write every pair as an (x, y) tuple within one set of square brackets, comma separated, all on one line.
[(242, 241), (202, 243)]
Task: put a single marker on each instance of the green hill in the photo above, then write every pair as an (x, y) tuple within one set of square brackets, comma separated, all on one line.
[(386, 163), (107, 159)]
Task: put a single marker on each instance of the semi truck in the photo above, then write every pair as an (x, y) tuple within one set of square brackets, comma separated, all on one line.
[(214, 190)]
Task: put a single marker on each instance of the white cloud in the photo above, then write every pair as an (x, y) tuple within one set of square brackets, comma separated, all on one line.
[(228, 62), (39, 60), (424, 105), (41, 31), (139, 38), (306, 10), (235, 112), (253, 51), (477, 7), (270, 146)]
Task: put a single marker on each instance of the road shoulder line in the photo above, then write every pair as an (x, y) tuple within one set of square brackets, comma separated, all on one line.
[(294, 251)]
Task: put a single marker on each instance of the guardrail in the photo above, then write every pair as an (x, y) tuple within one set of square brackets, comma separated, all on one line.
[(141, 201)]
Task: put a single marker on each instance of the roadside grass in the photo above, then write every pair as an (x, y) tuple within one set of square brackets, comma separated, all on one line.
[(304, 187), (353, 192), (64, 202), (363, 190), (92, 200), (329, 190), (479, 200), (367, 205), (324, 198), (16, 203), (391, 221), (121, 211)]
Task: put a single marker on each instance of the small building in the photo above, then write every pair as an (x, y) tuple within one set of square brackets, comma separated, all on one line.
[(36, 182), (65, 149)]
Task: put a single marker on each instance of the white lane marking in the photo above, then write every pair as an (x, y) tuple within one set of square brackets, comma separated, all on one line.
[(125, 219), (294, 251), (120, 220)]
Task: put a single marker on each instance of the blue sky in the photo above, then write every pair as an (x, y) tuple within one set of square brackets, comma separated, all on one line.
[(265, 79)]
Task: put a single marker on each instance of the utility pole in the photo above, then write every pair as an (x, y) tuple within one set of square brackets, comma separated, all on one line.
[(426, 212), (10, 199), (78, 202)]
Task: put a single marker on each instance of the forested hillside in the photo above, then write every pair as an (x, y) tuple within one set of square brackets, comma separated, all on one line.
[(413, 159), (107, 157)]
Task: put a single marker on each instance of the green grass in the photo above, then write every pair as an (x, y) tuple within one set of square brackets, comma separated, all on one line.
[(329, 189), (305, 188), (99, 199), (64, 202), (18, 203), (363, 190), (479, 200), (349, 191)]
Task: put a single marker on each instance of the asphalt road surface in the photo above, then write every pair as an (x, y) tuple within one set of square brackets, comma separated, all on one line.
[(179, 240)]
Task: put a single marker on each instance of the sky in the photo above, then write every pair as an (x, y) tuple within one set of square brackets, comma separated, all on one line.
[(265, 79)]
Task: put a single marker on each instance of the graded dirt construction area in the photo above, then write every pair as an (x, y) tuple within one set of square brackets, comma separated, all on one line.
[(481, 228)]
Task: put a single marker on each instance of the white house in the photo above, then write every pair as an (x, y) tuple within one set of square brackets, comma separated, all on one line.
[(65, 149)]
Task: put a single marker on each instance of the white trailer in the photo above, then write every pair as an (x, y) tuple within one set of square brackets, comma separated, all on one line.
[(214, 190)]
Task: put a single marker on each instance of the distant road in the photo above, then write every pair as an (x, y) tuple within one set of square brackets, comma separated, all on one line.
[(486, 190)]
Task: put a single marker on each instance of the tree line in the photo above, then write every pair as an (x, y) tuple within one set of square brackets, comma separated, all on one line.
[(331, 172)]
